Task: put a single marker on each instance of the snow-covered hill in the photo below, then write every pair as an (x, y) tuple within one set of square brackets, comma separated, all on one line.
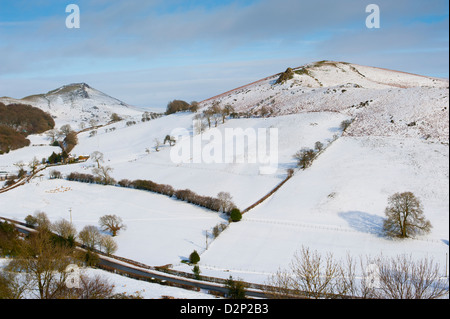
[(78, 103), (382, 102), (398, 142)]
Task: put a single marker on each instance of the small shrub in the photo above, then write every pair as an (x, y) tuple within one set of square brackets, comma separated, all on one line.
[(235, 215), (115, 117), (305, 157), (318, 146), (54, 158), (10, 181), (236, 288), (54, 174), (290, 172), (30, 221), (194, 257), (285, 76), (177, 106), (90, 258), (345, 124), (196, 271), (218, 229)]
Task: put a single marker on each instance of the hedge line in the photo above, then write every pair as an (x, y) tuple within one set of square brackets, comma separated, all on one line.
[(185, 195)]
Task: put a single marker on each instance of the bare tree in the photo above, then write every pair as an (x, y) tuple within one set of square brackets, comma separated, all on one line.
[(41, 270), (199, 124), (208, 115), (90, 236), (52, 135), (112, 223), (82, 126), (405, 217), (228, 109), (216, 117), (108, 245), (103, 174), (226, 202), (97, 157), (346, 124), (318, 146), (20, 165), (305, 157), (70, 141), (64, 229), (44, 264), (33, 165), (65, 130), (401, 277), (398, 277), (95, 287), (309, 275), (225, 111), (93, 122), (170, 139), (39, 220), (157, 144), (12, 285)]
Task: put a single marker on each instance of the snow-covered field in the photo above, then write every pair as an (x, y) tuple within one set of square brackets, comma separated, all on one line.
[(398, 143), (337, 206), (39, 148), (124, 150), (159, 230)]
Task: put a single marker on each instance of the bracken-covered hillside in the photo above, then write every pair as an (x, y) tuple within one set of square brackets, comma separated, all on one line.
[(382, 102)]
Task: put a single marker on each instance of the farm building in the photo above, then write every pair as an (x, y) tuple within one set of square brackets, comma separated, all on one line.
[(3, 175)]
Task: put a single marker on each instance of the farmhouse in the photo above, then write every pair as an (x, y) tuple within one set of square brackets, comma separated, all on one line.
[(3, 175)]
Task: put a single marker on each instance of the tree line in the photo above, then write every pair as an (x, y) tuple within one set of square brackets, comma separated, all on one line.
[(316, 276), (65, 137), (17, 121), (39, 264), (222, 203)]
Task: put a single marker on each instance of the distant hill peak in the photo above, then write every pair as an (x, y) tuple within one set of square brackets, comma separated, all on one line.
[(78, 102)]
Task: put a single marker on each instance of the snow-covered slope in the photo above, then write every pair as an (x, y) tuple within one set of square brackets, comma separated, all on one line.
[(383, 102), (131, 152), (76, 103), (337, 206), (398, 142)]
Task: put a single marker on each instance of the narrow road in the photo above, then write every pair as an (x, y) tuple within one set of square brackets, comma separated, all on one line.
[(22, 181), (144, 273), (122, 267)]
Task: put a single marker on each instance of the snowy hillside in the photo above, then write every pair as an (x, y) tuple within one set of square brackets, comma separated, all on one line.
[(78, 103), (337, 206), (130, 151), (397, 142), (383, 102)]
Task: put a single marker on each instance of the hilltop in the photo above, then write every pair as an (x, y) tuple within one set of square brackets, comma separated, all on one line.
[(78, 103), (382, 102)]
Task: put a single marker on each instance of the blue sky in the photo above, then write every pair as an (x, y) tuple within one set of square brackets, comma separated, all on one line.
[(147, 53)]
